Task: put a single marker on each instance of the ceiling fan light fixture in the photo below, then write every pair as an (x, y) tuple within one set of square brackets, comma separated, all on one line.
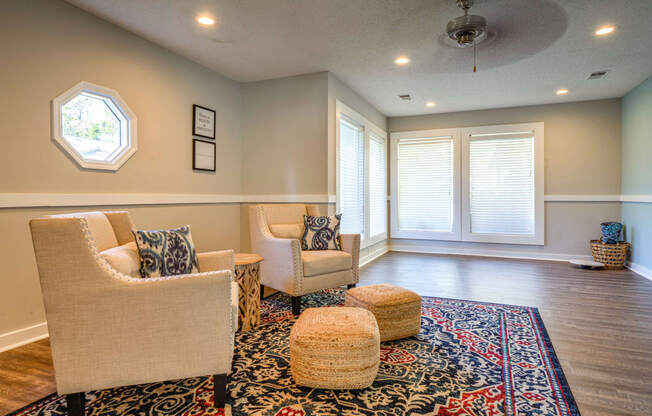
[(467, 30)]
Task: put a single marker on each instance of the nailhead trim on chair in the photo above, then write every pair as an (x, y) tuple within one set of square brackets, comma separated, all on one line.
[(90, 241)]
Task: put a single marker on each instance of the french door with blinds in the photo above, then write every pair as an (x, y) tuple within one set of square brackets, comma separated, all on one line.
[(361, 186), (482, 184)]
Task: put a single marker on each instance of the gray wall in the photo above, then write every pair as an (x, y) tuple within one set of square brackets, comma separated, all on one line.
[(637, 170), (284, 135), (582, 157), (49, 46)]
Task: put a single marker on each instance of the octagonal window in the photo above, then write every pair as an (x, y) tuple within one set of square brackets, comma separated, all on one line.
[(95, 126)]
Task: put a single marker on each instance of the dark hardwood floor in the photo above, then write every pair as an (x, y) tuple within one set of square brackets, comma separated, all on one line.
[(26, 375), (600, 323)]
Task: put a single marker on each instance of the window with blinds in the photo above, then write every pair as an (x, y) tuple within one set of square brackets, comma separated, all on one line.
[(425, 171), (361, 176), (377, 186), (501, 185), (351, 177), (479, 184)]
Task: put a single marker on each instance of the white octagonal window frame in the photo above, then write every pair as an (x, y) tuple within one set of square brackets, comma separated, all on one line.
[(127, 120)]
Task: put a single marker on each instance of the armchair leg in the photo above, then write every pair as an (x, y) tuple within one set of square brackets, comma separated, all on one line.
[(76, 404), (262, 292), (219, 390), (296, 305), (351, 286)]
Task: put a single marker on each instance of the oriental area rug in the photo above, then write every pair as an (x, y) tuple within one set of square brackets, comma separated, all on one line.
[(470, 359)]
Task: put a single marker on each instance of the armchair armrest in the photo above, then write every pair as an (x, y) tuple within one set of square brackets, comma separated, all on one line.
[(155, 329), (351, 244), (216, 260)]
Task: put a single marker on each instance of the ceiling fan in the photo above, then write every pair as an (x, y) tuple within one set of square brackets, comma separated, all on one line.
[(467, 30)]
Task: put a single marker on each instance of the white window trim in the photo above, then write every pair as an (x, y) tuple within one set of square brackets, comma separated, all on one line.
[(539, 209), (462, 227), (455, 234), (368, 128), (122, 154), (377, 133)]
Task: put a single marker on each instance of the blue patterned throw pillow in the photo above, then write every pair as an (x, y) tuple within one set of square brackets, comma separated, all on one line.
[(321, 233), (166, 252)]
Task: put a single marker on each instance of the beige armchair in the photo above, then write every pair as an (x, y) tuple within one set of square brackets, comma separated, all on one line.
[(276, 231), (110, 329)]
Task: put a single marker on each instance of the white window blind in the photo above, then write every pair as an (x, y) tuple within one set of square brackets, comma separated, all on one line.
[(351, 178), (502, 185), (425, 169), (377, 186)]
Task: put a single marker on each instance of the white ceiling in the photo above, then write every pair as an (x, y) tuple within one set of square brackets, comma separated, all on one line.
[(536, 47)]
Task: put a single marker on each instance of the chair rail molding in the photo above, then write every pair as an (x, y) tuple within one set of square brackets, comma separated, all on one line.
[(56, 200), (582, 198), (636, 198)]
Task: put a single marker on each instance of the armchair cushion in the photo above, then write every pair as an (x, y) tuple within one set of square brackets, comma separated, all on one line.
[(287, 230), (321, 233), (124, 259), (166, 252), (325, 261)]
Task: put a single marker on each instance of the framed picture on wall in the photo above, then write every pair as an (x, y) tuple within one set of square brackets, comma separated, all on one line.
[(203, 122), (203, 155)]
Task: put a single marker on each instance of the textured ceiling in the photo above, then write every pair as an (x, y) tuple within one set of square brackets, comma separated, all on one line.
[(534, 46)]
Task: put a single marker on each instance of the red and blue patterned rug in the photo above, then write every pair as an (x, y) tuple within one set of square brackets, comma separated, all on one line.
[(470, 359)]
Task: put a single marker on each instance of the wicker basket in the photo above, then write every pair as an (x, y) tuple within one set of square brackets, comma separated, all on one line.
[(613, 256)]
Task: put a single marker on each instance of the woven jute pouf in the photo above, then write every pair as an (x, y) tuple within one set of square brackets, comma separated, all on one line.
[(397, 310), (335, 348)]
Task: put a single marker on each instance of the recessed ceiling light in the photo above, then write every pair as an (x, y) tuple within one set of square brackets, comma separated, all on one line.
[(562, 91), (205, 20), (401, 60), (605, 30), (430, 104)]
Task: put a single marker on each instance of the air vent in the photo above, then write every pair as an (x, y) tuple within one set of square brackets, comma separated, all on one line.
[(405, 97), (597, 75)]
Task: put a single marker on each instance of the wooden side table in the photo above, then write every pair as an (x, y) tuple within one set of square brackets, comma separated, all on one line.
[(247, 274)]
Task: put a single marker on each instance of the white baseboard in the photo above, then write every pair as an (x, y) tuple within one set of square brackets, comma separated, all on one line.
[(19, 337), (488, 253), (373, 255), (638, 269)]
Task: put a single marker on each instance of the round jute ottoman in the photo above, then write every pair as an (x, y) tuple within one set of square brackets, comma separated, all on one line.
[(335, 348), (397, 310)]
